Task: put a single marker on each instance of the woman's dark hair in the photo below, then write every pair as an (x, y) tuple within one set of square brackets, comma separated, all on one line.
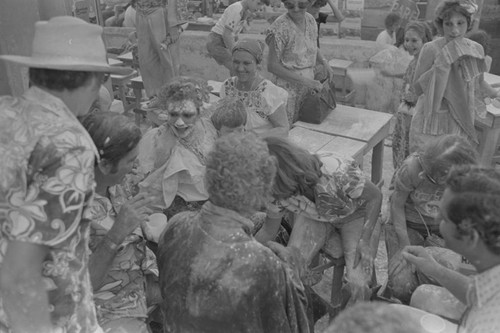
[(60, 80), (473, 178), (444, 11), (481, 37), (477, 211), (114, 135), (185, 88), (319, 3), (391, 19), (298, 170), (440, 155), (400, 37), (229, 112), (432, 28), (422, 29)]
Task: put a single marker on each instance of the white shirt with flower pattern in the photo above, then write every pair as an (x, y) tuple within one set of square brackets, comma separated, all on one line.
[(46, 180)]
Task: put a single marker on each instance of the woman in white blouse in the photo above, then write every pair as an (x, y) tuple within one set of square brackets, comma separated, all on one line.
[(264, 102)]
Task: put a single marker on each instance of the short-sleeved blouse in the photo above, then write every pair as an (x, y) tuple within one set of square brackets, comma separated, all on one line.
[(296, 49), (259, 103), (424, 197)]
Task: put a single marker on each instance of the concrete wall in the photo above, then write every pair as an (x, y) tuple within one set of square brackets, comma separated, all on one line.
[(377, 95)]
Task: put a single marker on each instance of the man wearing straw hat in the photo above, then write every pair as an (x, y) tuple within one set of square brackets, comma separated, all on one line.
[(47, 179)]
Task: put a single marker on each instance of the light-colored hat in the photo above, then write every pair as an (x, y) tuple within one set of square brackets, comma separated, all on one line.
[(68, 43)]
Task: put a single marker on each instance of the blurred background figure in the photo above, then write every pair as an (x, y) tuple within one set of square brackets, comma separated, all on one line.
[(321, 17), (388, 36)]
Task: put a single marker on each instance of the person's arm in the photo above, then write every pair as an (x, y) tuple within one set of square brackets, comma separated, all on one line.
[(320, 59), (336, 11), (455, 282), (22, 285), (373, 197), (23, 291), (279, 120), (227, 37), (131, 214), (398, 216), (487, 89), (270, 228), (275, 67)]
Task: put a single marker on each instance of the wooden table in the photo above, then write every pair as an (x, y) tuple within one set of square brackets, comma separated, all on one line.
[(492, 79), (489, 132), (316, 142), (367, 126)]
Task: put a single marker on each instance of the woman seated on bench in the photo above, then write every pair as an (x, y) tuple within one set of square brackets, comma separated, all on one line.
[(325, 194)]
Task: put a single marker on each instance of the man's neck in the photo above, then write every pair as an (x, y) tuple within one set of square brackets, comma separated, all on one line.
[(485, 260)]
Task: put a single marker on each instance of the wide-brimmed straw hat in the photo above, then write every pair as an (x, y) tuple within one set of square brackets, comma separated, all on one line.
[(68, 43)]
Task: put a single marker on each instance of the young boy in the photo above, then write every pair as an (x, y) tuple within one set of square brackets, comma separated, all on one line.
[(229, 116), (388, 36), (225, 32)]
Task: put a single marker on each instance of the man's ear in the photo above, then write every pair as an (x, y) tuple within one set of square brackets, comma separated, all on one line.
[(472, 239), (105, 166)]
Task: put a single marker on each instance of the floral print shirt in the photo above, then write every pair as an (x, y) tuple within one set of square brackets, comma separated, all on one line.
[(123, 293), (46, 180), (296, 49), (337, 196)]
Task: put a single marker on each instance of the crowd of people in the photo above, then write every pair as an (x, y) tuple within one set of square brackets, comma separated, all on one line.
[(212, 220)]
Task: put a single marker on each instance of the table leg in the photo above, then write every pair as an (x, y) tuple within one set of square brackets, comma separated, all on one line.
[(377, 162), (488, 140)]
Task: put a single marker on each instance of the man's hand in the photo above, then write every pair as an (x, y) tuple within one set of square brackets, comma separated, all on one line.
[(418, 256), (397, 264), (131, 214)]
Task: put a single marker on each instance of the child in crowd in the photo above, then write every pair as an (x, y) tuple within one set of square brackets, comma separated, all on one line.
[(416, 35), (229, 116), (446, 74), (225, 32), (388, 36)]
